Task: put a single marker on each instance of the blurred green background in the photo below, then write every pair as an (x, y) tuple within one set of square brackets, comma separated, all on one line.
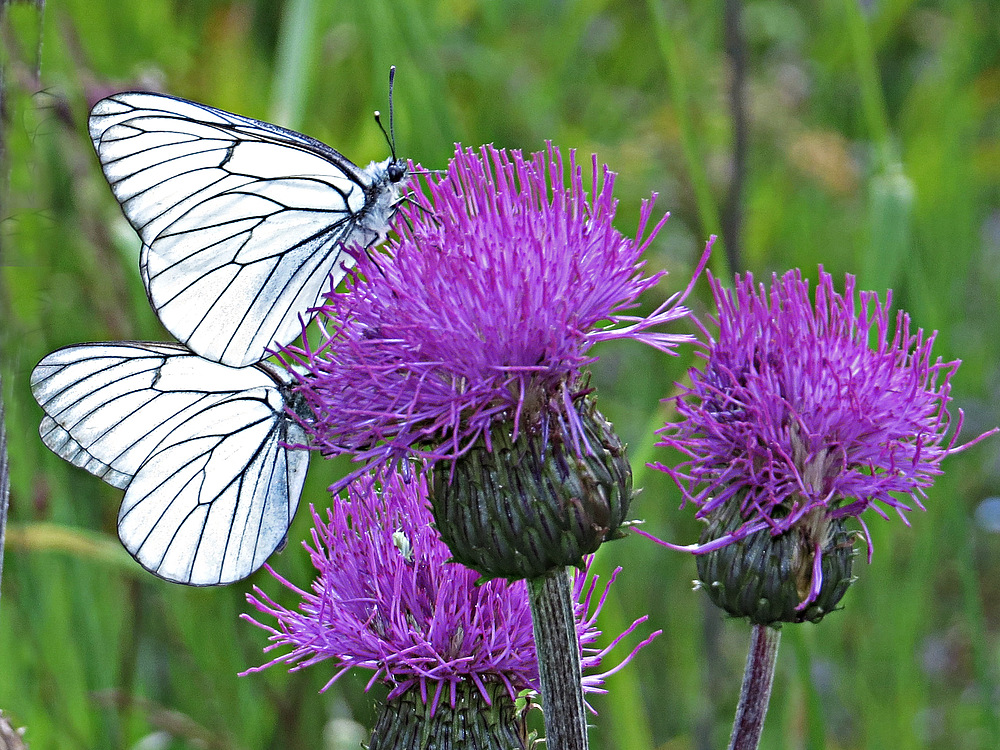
[(869, 141)]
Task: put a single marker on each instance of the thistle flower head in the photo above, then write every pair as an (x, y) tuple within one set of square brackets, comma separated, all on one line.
[(806, 413), (485, 308), (386, 599)]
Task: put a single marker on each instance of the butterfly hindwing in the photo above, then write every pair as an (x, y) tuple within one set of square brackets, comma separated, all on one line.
[(199, 447), (107, 406), (242, 222), (212, 505)]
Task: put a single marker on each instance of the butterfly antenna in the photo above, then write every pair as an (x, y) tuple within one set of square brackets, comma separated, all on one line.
[(392, 126), (390, 137)]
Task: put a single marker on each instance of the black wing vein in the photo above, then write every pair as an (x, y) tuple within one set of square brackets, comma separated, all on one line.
[(212, 195), (196, 445)]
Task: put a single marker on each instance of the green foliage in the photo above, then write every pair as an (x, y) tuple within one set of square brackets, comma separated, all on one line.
[(874, 148)]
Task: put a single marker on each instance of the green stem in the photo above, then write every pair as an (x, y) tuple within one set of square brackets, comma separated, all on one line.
[(866, 68), (4, 482), (292, 71), (708, 211), (558, 649), (756, 691), (891, 193)]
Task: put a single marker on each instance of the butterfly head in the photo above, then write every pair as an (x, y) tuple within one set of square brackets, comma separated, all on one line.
[(396, 171)]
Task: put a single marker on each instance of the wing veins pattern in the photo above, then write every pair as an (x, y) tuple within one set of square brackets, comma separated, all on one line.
[(213, 194), (210, 481), (237, 480), (110, 428)]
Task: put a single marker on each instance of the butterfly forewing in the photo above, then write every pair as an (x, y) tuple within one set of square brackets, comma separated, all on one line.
[(242, 222), (199, 447)]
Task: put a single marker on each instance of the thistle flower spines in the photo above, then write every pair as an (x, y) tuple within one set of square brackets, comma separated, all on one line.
[(807, 411), (525, 505), (486, 719), (502, 277), (386, 600), (768, 578)]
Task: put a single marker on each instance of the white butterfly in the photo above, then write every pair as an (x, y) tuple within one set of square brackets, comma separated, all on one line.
[(198, 447), (242, 222)]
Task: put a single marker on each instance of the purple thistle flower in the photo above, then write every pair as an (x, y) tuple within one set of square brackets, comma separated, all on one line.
[(463, 343), (387, 599), (807, 413), (485, 308)]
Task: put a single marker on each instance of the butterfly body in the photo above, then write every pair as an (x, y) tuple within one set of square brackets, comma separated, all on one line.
[(243, 223), (201, 449)]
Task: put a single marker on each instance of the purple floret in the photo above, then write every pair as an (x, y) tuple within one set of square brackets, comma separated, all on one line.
[(809, 406), (487, 305), (386, 599)]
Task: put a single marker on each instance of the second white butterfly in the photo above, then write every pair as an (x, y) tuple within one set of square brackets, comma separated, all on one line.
[(242, 222), (201, 450)]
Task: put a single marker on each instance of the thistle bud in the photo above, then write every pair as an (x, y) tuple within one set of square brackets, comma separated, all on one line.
[(518, 507), (809, 408), (767, 578), (410, 722)]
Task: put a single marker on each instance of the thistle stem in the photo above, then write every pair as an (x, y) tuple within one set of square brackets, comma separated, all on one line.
[(756, 691), (558, 649)]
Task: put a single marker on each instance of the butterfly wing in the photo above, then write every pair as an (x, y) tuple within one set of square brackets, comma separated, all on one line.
[(212, 505), (242, 222), (107, 406), (191, 441)]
